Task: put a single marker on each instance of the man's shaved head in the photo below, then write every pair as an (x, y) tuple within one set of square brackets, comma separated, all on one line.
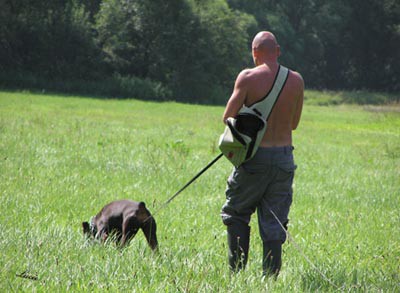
[(265, 41), (265, 47)]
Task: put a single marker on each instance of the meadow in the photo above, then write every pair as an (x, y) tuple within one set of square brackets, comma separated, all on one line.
[(63, 157)]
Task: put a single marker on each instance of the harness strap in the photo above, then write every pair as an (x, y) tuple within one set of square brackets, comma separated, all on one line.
[(264, 107)]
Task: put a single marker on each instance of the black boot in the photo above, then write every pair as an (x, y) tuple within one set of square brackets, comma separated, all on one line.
[(272, 258), (238, 244)]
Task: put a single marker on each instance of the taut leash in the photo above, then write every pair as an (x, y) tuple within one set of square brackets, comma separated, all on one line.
[(187, 184)]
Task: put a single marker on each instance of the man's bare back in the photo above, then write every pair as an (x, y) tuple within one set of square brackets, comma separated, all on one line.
[(254, 84)]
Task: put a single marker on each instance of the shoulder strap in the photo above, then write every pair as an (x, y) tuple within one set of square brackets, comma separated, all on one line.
[(264, 107)]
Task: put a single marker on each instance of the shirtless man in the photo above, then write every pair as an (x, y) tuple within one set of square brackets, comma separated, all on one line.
[(265, 181)]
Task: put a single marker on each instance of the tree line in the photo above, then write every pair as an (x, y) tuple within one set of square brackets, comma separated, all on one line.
[(192, 50)]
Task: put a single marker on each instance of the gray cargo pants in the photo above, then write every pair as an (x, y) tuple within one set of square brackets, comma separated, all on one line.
[(264, 182)]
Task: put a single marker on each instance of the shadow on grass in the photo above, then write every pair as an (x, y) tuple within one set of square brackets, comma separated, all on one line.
[(111, 87), (328, 98)]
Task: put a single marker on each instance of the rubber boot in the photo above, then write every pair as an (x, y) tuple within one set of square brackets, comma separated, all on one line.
[(238, 244), (272, 258)]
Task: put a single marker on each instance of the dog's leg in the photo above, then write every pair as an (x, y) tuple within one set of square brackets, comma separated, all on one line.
[(129, 229), (102, 233), (149, 229)]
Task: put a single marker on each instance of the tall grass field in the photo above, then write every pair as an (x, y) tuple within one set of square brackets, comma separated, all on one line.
[(62, 158)]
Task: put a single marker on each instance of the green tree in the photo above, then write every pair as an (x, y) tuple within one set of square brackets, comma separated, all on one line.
[(193, 47), (48, 38), (197, 47), (225, 40), (373, 42), (335, 44)]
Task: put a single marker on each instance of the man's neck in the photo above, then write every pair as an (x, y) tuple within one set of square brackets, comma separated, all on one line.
[(270, 65), (268, 62)]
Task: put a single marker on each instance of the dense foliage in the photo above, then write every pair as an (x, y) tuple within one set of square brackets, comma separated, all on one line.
[(192, 49)]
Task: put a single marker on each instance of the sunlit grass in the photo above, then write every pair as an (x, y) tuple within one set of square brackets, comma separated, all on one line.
[(63, 158)]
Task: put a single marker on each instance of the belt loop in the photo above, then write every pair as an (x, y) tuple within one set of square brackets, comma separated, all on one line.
[(288, 149)]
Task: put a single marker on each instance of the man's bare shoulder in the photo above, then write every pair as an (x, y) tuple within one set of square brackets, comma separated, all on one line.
[(246, 73), (249, 74), (296, 78), (244, 77)]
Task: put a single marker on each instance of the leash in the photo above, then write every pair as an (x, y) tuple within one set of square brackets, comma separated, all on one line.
[(186, 185), (304, 255)]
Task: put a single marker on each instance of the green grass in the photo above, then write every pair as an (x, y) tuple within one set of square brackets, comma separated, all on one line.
[(62, 158)]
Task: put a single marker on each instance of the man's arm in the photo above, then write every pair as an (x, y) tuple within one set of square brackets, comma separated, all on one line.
[(299, 102), (238, 96)]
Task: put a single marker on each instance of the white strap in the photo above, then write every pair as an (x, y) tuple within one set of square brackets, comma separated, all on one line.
[(265, 106)]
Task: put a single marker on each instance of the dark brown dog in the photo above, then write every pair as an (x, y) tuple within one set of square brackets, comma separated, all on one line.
[(124, 218)]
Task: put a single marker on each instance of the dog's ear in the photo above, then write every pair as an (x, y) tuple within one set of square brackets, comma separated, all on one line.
[(86, 228), (142, 212), (142, 205)]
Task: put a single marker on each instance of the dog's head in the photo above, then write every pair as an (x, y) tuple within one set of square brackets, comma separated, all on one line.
[(89, 229), (142, 214)]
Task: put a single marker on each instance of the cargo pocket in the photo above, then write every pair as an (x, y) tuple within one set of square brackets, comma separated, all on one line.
[(286, 171), (238, 177), (243, 189)]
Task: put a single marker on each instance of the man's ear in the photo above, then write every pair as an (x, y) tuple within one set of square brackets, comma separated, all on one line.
[(86, 228), (254, 52)]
